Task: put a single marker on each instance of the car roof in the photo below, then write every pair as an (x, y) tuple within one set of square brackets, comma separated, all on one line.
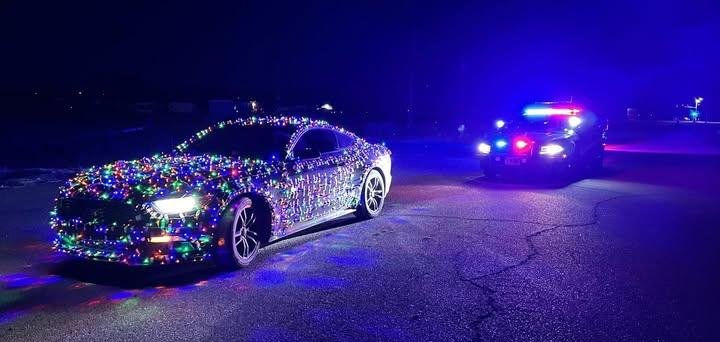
[(300, 123)]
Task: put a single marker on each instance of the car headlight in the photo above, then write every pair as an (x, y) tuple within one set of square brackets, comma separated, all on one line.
[(483, 148), (174, 206), (551, 149)]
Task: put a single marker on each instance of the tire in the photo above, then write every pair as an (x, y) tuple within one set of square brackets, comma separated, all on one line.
[(243, 235), (372, 196)]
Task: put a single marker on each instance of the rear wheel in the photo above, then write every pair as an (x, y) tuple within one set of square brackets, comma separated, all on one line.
[(372, 197)]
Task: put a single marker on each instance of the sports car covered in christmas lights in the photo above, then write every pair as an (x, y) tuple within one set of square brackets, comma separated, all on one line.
[(222, 194), (554, 139)]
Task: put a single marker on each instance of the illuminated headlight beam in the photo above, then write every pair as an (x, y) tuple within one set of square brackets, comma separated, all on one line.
[(551, 149), (174, 206), (166, 239), (483, 148)]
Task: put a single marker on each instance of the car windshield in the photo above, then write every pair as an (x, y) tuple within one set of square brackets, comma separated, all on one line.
[(551, 123), (258, 141)]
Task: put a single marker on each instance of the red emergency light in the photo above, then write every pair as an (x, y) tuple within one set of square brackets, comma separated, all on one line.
[(521, 145)]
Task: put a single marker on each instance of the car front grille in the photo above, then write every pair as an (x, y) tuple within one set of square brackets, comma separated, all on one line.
[(97, 219), (91, 210)]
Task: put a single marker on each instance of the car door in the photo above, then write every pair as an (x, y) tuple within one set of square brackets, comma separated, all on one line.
[(589, 141), (314, 182), (350, 172)]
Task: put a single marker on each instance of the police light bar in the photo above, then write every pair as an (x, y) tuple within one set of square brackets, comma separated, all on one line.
[(550, 111)]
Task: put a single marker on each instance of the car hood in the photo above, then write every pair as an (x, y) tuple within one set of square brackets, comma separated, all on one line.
[(539, 137), (162, 175)]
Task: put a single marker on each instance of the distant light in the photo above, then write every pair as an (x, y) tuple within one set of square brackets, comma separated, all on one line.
[(327, 106), (253, 105), (698, 100), (500, 144), (79, 92), (574, 121), (484, 148), (550, 111), (499, 124), (551, 149), (694, 114)]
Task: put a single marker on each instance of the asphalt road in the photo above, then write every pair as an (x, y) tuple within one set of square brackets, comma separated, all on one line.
[(629, 255)]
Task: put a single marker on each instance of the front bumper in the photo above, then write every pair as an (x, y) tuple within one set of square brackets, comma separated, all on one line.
[(523, 162), (121, 233), (136, 250)]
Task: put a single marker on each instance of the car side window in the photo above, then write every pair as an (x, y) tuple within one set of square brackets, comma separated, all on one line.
[(344, 140), (315, 140)]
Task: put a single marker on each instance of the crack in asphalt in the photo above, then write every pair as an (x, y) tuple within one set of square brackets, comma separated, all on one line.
[(591, 188), (489, 292), (477, 219)]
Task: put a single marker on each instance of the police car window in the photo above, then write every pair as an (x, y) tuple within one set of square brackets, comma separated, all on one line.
[(344, 140), (548, 123), (320, 140)]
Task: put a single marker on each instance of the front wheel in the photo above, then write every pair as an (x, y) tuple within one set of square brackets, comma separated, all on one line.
[(242, 238), (372, 197)]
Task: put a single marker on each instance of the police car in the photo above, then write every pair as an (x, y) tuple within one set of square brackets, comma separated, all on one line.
[(550, 138)]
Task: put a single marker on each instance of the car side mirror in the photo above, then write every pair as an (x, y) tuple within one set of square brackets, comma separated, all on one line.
[(307, 153)]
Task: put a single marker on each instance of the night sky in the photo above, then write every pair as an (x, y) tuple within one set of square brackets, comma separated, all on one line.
[(460, 57)]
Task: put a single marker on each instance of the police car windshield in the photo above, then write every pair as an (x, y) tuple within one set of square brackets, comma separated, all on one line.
[(550, 123)]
